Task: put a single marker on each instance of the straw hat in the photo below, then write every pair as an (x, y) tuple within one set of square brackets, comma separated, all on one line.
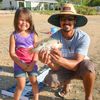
[(67, 9)]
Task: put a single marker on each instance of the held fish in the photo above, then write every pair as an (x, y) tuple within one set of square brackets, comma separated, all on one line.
[(47, 44)]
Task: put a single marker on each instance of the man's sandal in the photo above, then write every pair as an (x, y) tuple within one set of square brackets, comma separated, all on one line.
[(61, 93)]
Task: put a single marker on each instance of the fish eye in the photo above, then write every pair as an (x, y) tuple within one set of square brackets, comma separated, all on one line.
[(41, 44), (58, 42)]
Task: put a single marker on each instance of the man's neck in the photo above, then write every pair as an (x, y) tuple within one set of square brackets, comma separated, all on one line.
[(68, 35)]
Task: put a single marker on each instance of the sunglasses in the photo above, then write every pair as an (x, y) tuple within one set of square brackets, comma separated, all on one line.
[(69, 18)]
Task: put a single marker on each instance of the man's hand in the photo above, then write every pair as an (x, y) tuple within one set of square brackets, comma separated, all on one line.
[(56, 56), (47, 58), (44, 57)]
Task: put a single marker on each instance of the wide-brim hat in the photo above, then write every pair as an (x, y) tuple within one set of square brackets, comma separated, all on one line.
[(68, 9)]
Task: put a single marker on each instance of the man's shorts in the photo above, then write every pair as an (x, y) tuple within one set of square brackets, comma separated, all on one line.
[(55, 78)]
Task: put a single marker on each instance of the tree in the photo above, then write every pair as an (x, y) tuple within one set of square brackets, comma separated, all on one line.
[(60, 2), (94, 3)]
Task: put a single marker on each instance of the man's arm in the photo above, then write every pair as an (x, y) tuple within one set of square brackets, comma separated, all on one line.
[(70, 64), (55, 60)]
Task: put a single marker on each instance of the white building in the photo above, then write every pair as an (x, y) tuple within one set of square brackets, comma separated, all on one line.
[(14, 4)]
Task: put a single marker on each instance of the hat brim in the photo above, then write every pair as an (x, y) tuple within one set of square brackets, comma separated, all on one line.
[(55, 19)]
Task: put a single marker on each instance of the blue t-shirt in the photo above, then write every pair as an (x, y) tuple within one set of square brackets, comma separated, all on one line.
[(78, 44)]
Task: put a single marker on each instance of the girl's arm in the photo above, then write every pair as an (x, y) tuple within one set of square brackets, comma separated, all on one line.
[(13, 54), (35, 40), (35, 55)]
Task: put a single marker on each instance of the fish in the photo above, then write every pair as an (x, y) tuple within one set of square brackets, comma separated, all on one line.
[(47, 44)]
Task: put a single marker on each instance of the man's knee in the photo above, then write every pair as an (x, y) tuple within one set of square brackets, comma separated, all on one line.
[(86, 66)]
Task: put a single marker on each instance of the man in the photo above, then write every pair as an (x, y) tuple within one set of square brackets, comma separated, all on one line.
[(72, 61)]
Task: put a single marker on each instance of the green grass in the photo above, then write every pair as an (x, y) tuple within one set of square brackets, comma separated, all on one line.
[(48, 12)]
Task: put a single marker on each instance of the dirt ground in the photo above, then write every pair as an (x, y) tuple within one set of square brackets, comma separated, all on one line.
[(43, 27)]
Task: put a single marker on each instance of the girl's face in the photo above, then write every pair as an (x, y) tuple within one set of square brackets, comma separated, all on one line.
[(23, 24)]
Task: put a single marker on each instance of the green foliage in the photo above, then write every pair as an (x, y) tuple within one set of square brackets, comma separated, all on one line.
[(60, 2), (82, 7), (47, 12), (94, 3), (85, 10), (81, 2), (0, 5)]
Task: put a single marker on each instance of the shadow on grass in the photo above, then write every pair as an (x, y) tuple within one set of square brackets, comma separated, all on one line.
[(6, 69), (6, 77), (53, 98)]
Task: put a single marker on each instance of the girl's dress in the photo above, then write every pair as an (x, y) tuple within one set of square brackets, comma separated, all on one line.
[(22, 46)]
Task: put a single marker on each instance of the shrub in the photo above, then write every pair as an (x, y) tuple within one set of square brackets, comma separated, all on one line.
[(94, 3), (86, 10)]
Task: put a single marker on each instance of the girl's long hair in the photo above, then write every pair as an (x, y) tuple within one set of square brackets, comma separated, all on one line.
[(26, 14)]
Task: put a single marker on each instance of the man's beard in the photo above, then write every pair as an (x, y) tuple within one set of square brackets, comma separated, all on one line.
[(66, 28)]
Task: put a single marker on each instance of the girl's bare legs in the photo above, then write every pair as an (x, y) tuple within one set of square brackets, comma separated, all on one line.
[(19, 88), (35, 90)]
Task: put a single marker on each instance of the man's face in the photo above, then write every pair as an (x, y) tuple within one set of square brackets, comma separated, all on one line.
[(67, 22)]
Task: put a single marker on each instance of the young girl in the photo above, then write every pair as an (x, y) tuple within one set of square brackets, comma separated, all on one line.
[(21, 42)]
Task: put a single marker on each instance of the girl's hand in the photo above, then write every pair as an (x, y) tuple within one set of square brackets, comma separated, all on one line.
[(29, 67)]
